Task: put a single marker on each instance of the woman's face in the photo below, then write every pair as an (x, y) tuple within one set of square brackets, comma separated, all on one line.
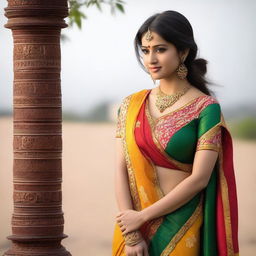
[(160, 57)]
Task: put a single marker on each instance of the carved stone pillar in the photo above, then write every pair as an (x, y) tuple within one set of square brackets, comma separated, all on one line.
[(37, 221)]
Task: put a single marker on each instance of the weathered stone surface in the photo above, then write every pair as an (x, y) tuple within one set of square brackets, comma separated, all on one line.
[(37, 220)]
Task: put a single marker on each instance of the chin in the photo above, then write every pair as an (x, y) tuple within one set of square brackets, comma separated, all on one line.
[(164, 76), (157, 77)]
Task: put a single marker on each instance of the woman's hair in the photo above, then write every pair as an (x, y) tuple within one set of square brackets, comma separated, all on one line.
[(173, 27)]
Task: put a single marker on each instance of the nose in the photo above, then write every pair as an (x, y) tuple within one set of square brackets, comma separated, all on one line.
[(152, 57)]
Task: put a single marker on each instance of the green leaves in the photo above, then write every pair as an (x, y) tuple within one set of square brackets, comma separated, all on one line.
[(120, 7), (76, 15)]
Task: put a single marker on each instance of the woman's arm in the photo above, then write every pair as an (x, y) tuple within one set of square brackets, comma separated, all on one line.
[(203, 165), (122, 190)]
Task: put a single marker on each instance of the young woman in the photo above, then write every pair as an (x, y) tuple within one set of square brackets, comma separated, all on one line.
[(175, 183)]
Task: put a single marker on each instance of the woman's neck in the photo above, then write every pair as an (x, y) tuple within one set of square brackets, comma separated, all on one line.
[(172, 85)]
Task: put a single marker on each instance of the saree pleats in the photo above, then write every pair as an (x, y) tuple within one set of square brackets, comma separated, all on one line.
[(207, 225)]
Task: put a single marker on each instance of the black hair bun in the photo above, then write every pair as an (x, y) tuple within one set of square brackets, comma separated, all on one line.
[(200, 65)]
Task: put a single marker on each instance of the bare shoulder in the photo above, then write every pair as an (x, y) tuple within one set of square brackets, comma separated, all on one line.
[(208, 99), (195, 92)]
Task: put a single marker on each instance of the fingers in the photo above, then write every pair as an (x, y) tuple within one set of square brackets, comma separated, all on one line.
[(121, 225), (118, 220), (119, 214), (125, 231), (123, 228)]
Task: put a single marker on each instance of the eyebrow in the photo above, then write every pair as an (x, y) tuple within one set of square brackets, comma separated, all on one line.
[(153, 45)]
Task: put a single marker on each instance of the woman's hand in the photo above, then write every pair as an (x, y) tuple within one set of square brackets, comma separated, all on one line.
[(129, 220), (140, 249)]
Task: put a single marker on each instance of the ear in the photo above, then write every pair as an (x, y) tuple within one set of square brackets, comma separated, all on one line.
[(184, 54)]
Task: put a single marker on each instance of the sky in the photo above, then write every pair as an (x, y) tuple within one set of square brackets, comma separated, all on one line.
[(99, 63)]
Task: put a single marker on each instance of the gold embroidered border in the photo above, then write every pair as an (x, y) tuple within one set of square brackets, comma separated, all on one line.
[(182, 166), (120, 130), (203, 140), (226, 208), (170, 247), (208, 147), (154, 227), (132, 180)]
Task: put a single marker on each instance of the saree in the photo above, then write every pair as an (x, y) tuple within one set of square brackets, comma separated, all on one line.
[(206, 225)]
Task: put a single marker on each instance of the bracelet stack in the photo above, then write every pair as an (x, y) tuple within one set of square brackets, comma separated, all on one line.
[(133, 238)]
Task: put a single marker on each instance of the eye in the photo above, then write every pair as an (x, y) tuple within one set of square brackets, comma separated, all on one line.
[(145, 51), (161, 49)]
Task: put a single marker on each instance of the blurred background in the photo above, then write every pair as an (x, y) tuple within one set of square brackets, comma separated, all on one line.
[(99, 68)]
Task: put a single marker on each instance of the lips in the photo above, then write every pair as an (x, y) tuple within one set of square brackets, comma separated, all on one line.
[(154, 69)]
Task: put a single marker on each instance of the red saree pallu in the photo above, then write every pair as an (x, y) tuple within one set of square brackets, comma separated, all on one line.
[(206, 225)]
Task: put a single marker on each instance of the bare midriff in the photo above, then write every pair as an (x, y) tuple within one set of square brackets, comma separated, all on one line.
[(169, 178)]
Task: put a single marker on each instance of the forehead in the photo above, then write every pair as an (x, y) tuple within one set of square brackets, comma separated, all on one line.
[(157, 39)]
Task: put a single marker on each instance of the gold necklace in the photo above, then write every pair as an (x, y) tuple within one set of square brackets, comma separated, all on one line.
[(164, 101)]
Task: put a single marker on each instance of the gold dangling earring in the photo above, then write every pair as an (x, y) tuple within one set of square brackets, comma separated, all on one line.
[(182, 71)]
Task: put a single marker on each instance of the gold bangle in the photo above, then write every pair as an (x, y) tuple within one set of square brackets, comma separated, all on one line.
[(133, 238)]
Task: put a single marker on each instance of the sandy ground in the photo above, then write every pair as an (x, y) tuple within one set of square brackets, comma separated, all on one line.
[(88, 188)]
